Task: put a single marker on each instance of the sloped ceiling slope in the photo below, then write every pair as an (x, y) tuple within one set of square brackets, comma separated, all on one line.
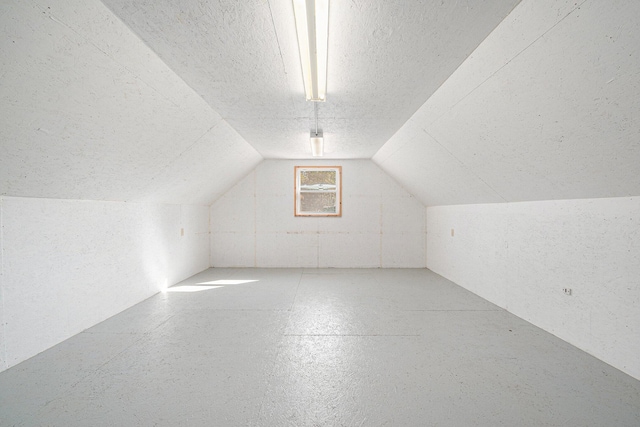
[(386, 57), (547, 107), (90, 112)]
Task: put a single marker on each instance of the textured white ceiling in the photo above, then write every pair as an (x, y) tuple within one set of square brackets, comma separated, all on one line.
[(546, 108), (385, 59), (89, 112)]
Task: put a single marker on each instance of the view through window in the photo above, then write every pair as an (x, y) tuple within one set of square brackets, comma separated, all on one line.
[(318, 191)]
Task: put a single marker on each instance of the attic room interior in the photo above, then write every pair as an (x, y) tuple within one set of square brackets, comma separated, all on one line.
[(296, 213)]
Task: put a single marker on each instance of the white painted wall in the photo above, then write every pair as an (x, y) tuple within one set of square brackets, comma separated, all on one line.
[(520, 256), (253, 224), (3, 342), (90, 112), (68, 264), (544, 109)]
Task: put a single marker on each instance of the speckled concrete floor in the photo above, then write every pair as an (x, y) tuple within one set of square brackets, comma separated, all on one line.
[(299, 347)]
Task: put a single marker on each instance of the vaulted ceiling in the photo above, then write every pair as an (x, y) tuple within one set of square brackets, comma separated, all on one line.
[(385, 59), (547, 107), (461, 102)]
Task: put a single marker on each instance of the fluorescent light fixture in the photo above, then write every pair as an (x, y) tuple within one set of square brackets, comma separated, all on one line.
[(312, 26), (317, 144)]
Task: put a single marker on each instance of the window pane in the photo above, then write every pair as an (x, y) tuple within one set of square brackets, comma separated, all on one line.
[(318, 177), (318, 191), (318, 202)]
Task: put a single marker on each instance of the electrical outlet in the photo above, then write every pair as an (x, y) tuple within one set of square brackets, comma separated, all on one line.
[(567, 291), (452, 232), (182, 231)]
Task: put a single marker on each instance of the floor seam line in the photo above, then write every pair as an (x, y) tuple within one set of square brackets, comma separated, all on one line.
[(95, 370), (352, 335), (277, 355)]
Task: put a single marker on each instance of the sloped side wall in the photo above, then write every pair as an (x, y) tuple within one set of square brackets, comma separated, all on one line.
[(89, 112), (521, 256), (68, 264), (544, 109)]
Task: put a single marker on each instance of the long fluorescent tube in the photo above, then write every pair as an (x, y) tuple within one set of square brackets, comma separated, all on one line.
[(312, 26), (317, 144)]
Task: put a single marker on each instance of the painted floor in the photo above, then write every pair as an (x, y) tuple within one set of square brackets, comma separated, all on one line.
[(294, 347)]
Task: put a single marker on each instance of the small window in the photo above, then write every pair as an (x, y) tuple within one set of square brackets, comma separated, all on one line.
[(318, 191)]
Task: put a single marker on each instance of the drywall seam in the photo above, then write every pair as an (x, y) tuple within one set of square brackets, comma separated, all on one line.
[(398, 183), (189, 148), (401, 146), (59, 21), (464, 165), (4, 341), (228, 190), (275, 33), (318, 249), (425, 236), (158, 56), (210, 234), (576, 6), (255, 219), (164, 168), (381, 225), (508, 235)]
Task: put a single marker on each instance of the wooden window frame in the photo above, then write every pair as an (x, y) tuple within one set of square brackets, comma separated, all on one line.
[(296, 192)]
